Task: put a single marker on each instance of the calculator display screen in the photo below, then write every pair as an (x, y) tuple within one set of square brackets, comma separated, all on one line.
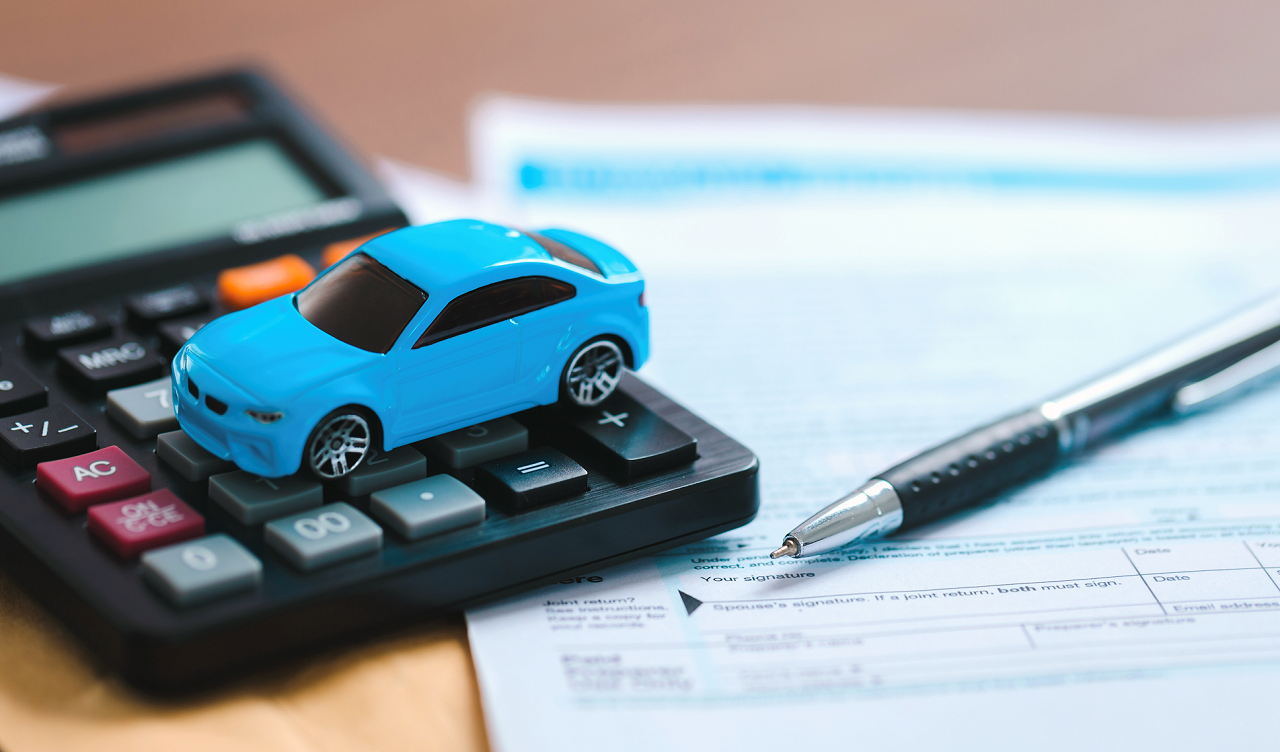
[(151, 207)]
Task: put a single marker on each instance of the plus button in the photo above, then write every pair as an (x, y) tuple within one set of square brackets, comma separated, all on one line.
[(614, 419)]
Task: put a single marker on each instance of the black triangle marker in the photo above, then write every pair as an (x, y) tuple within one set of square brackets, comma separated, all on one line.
[(690, 603)]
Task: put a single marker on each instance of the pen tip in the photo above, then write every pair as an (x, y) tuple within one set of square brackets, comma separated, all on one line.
[(788, 548)]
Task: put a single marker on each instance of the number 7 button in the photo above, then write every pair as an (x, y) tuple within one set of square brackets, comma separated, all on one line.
[(146, 410)]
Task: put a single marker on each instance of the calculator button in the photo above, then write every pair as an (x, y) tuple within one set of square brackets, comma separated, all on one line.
[(383, 470), (250, 285), (44, 334), (323, 536), (144, 410), (335, 252), (144, 522), (19, 393), (152, 307), (201, 570), (174, 334), (629, 440), (252, 499), (482, 442), (192, 461), (530, 478), (113, 364), (50, 433), (427, 507), (78, 483)]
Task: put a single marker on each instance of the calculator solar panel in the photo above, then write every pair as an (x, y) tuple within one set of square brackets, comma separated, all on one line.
[(172, 565)]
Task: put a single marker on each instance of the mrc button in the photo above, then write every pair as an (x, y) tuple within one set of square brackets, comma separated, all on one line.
[(103, 366), (78, 483)]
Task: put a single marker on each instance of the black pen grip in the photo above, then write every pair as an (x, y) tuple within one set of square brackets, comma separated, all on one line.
[(973, 467)]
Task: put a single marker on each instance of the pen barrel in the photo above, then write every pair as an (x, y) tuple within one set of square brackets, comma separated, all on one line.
[(973, 467)]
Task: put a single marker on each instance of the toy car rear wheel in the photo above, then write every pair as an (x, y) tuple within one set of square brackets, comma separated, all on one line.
[(592, 373), (339, 443)]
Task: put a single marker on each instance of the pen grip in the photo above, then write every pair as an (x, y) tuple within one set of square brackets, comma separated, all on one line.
[(971, 468)]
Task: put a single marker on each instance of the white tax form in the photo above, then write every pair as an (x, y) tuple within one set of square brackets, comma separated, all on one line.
[(839, 290)]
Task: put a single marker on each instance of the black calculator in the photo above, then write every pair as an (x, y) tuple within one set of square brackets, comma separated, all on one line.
[(128, 223)]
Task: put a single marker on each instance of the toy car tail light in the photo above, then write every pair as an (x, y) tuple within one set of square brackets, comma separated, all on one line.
[(642, 300)]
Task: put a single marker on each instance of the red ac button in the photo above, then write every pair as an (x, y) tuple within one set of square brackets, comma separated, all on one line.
[(98, 469), (78, 483)]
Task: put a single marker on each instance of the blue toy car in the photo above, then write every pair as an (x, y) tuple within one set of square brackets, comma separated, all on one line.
[(416, 333)]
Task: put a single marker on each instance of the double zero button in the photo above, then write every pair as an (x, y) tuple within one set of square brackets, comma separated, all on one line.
[(323, 536)]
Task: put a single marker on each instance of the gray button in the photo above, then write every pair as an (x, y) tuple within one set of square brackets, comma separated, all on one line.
[(479, 443), (332, 533), (201, 570), (252, 499), (144, 410), (384, 470), (192, 461), (428, 507)]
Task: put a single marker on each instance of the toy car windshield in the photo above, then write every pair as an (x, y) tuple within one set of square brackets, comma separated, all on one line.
[(362, 303)]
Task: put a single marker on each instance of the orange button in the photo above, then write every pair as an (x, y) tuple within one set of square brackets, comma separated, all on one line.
[(335, 252), (246, 286)]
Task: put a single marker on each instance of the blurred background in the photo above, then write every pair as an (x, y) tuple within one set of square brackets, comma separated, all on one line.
[(396, 77)]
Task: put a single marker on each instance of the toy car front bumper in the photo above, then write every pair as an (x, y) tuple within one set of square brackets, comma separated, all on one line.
[(254, 447)]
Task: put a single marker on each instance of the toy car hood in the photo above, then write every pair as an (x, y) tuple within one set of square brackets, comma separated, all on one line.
[(272, 347)]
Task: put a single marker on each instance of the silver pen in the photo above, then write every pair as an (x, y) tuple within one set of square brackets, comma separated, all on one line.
[(1191, 374)]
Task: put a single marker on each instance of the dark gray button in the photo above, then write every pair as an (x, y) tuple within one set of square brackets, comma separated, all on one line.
[(113, 364), (49, 433), (252, 499), (427, 507), (479, 443), (629, 440), (174, 334), (192, 461), (323, 536), (145, 410), (150, 307), (201, 570), (19, 392), (43, 334), (530, 478), (384, 470)]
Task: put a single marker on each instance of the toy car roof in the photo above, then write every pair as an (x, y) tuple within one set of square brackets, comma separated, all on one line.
[(439, 256)]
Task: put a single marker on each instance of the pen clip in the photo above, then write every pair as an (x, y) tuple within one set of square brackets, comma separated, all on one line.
[(1231, 382)]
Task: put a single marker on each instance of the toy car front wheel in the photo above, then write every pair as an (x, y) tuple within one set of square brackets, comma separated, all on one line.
[(592, 373), (339, 443)]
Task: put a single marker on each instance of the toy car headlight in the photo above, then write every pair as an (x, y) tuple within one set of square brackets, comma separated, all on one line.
[(264, 417)]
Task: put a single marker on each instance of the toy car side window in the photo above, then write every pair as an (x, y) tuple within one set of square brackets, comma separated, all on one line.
[(488, 305), (554, 290)]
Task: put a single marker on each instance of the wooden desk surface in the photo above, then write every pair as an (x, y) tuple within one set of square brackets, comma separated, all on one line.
[(396, 77)]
